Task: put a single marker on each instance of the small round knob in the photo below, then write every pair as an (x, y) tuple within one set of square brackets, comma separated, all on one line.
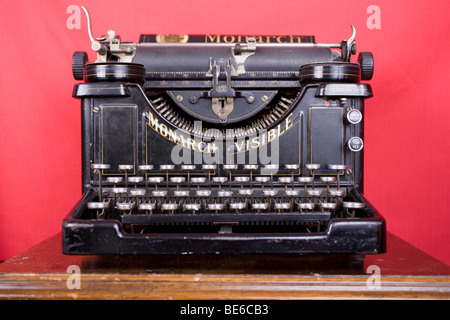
[(365, 60), (79, 59)]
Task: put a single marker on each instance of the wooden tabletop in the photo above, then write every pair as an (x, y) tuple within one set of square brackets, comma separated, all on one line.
[(43, 272)]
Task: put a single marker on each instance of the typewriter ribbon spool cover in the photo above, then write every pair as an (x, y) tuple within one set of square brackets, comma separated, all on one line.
[(222, 144)]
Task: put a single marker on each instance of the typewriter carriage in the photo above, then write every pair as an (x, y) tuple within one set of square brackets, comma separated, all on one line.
[(302, 102)]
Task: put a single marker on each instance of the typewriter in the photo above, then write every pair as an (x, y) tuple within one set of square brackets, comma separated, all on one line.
[(222, 144)]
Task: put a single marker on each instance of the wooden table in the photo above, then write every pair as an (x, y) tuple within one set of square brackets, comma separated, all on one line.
[(404, 272)]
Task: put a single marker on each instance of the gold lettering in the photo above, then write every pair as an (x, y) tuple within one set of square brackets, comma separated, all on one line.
[(264, 137), (288, 122), (280, 131), (173, 136), (225, 39), (210, 149), (281, 39), (191, 142), (255, 141), (182, 141), (153, 122), (239, 148), (259, 39), (212, 38), (271, 135), (163, 130), (199, 146)]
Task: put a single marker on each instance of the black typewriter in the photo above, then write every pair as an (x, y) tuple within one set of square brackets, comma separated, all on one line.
[(222, 144)]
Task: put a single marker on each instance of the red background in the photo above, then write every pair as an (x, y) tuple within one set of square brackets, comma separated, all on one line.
[(407, 144)]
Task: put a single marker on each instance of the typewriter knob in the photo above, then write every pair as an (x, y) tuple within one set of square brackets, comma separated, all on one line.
[(79, 59), (355, 144), (365, 60)]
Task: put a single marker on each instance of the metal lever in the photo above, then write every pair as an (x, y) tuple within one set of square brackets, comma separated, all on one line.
[(95, 44)]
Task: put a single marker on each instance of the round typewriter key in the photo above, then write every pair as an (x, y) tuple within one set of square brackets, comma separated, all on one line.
[(337, 192), (314, 193), (159, 193), (328, 205), (355, 144), (305, 179), (260, 206), (125, 206), (146, 167), (238, 206), (155, 179), (169, 207), (282, 206), (177, 180), (119, 190), (209, 167), (251, 167), (188, 167), (224, 193), (147, 207), (270, 192), (262, 179), (135, 179), (271, 166), (198, 179), (292, 166), (230, 166), (114, 180), (98, 205), (328, 179), (203, 193), (137, 192), (305, 206), (292, 193), (312, 166), (215, 206), (100, 166), (192, 207), (354, 205), (285, 179), (338, 167), (245, 192), (165, 167), (242, 179), (126, 167), (220, 179), (181, 193)]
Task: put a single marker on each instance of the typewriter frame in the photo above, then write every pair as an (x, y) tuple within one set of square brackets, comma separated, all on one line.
[(123, 104)]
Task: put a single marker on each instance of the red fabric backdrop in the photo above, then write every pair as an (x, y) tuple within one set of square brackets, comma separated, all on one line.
[(407, 148)]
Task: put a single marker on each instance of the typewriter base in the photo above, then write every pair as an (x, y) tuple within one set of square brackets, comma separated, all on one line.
[(91, 236)]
